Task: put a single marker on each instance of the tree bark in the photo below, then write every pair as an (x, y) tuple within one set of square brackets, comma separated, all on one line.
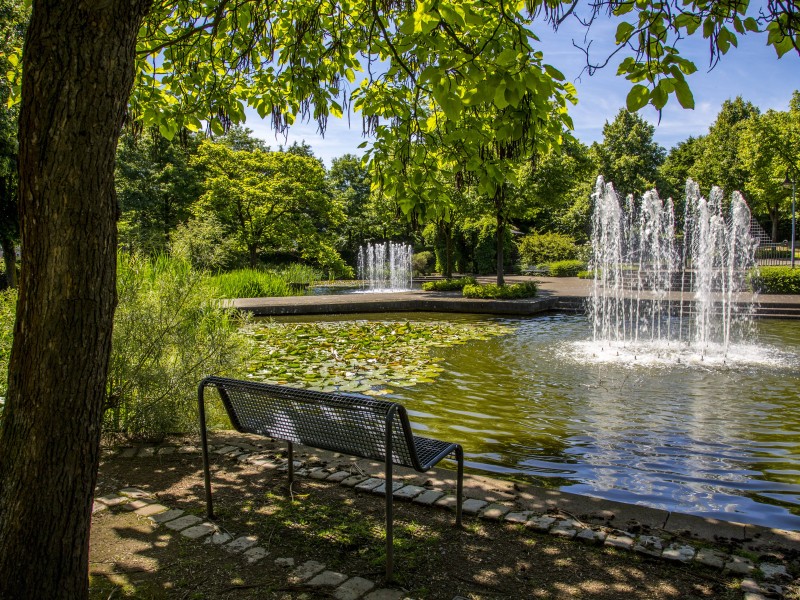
[(78, 72), (774, 216), (499, 201)]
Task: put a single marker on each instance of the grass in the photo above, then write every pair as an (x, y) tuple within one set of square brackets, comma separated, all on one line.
[(254, 283)]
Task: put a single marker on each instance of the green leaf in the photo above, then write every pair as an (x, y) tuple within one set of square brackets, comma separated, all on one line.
[(684, 93), (554, 73), (637, 97), (624, 31)]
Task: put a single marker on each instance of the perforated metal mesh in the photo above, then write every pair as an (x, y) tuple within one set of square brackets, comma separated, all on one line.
[(354, 425)]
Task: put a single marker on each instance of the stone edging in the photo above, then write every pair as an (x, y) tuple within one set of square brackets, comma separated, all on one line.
[(775, 576)]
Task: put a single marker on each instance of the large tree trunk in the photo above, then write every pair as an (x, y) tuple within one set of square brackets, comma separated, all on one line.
[(774, 217), (78, 72), (501, 238)]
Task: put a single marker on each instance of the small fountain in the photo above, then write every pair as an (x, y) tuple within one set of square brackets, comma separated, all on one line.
[(658, 300), (385, 267)]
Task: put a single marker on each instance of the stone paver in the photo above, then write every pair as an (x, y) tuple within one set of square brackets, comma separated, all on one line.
[(284, 562), (518, 517), (385, 594), (711, 558), (448, 501), (353, 588), (381, 489), (319, 474), (136, 504), (241, 544), (774, 572), (128, 452), (472, 506), (253, 555), (147, 452), (183, 522), (98, 507), (188, 450), (327, 579), (495, 512), (408, 492), (369, 484), (542, 524), (616, 540), (338, 477), (591, 536), (112, 500), (428, 497), (218, 538), (226, 450), (649, 544), (151, 509), (353, 480), (198, 531), (679, 552), (306, 571), (166, 516), (566, 528), (740, 565), (166, 450)]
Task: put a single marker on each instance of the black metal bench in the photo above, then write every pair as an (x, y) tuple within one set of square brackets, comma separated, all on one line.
[(354, 425)]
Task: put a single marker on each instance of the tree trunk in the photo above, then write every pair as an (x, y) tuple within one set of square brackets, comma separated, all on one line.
[(774, 218), (501, 238), (448, 249), (253, 252), (77, 76), (9, 260)]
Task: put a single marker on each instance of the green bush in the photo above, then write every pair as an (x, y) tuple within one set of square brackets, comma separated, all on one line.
[(775, 280), (448, 285), (585, 275), (8, 313), (253, 283), (527, 289), (546, 248), (167, 336), (566, 268), (205, 244), (422, 262)]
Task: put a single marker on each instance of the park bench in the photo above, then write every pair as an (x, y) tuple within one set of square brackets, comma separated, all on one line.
[(354, 425)]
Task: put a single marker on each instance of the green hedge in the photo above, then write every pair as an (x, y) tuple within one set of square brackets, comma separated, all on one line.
[(546, 247), (566, 268), (501, 292), (776, 280), (448, 285)]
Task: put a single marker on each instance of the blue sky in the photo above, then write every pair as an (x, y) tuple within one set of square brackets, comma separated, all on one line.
[(752, 70)]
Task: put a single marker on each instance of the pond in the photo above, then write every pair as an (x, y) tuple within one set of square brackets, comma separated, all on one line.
[(721, 441)]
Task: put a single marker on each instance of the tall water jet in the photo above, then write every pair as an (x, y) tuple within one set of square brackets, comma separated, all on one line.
[(653, 296), (385, 267)]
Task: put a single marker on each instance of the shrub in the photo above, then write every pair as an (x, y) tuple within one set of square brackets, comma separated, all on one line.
[(253, 283), (205, 244), (527, 289), (422, 262), (8, 313), (546, 247), (566, 268), (775, 280), (167, 336), (585, 275), (448, 285)]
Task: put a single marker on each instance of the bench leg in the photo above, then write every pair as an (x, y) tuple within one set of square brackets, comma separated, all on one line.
[(291, 467), (459, 484), (204, 440), (389, 517)]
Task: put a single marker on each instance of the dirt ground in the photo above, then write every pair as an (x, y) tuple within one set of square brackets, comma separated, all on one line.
[(332, 524)]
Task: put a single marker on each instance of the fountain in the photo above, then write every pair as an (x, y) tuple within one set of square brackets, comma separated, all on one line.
[(656, 299), (385, 267)]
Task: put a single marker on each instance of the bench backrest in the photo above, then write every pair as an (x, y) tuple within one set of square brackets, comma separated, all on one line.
[(345, 423)]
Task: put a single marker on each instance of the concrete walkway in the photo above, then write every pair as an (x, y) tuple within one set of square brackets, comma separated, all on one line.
[(568, 294)]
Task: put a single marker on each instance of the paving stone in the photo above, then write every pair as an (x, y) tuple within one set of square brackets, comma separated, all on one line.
[(774, 572), (428, 497), (241, 544), (301, 472), (284, 466), (369, 484), (112, 500), (166, 516), (385, 594), (495, 512), (518, 517), (166, 450), (136, 493), (711, 558), (542, 523), (408, 492), (218, 538), (750, 585), (327, 579), (591, 536), (183, 522), (198, 531), (353, 480), (353, 588), (679, 552), (650, 545), (225, 450), (305, 571), (381, 489), (150, 510), (338, 477), (566, 528), (136, 504), (253, 555), (189, 450), (146, 452), (320, 474), (128, 452), (284, 562), (617, 540), (448, 501), (98, 507), (243, 458), (752, 596), (740, 565)]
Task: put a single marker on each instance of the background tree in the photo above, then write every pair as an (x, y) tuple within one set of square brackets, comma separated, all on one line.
[(156, 184), (628, 157), (676, 169), (350, 182)]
